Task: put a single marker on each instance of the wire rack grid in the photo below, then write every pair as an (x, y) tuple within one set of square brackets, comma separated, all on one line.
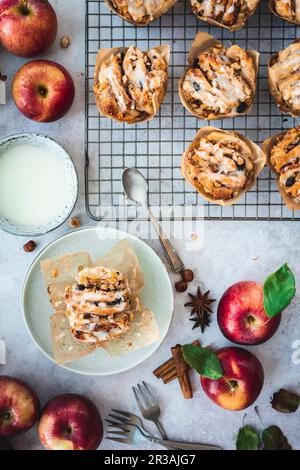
[(156, 147)]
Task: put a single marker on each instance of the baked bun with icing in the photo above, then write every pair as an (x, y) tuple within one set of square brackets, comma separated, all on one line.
[(284, 78), (222, 165), (288, 10), (140, 12), (283, 156), (129, 84), (98, 305), (230, 14), (220, 82)]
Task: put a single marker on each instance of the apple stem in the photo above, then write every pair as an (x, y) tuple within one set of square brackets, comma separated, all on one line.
[(266, 322)]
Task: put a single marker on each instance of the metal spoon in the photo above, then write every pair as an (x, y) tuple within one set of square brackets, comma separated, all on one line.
[(136, 189)]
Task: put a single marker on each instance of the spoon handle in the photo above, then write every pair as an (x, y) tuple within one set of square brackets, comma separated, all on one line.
[(174, 260)]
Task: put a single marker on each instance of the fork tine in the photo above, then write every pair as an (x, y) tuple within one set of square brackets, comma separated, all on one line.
[(118, 433), (140, 405), (119, 418), (124, 413), (113, 424), (150, 396), (144, 396), (117, 439)]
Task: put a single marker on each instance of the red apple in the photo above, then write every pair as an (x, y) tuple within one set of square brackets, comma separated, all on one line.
[(19, 406), (242, 381), (242, 317), (43, 90), (27, 27), (70, 422)]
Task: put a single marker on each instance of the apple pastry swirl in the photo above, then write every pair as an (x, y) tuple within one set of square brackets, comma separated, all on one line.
[(221, 165), (98, 305), (285, 160), (221, 83), (284, 78), (131, 84), (227, 13)]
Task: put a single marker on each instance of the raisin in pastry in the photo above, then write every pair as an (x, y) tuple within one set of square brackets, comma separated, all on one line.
[(284, 159), (140, 12), (222, 165), (220, 83), (130, 84), (284, 78), (231, 14)]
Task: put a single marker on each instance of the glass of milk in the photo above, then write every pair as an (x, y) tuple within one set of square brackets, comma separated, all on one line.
[(38, 184)]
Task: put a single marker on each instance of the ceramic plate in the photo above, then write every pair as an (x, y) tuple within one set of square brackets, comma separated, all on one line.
[(97, 241)]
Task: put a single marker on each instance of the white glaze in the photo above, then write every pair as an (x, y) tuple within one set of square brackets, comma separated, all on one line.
[(33, 185)]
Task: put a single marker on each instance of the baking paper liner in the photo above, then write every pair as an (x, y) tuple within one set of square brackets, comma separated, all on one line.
[(60, 273), (165, 6), (273, 87), (259, 162), (234, 27), (267, 148), (201, 43), (104, 54)]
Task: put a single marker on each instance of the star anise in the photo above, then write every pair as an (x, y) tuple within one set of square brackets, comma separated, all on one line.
[(200, 304)]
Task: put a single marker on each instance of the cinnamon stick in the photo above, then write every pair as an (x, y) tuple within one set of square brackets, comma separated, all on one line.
[(167, 371), (169, 378), (164, 368), (182, 372)]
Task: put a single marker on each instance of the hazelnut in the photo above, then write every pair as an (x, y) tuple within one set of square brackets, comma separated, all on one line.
[(74, 222), (181, 286), (65, 42), (29, 246), (187, 275)]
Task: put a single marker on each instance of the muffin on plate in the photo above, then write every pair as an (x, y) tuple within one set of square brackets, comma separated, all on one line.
[(129, 84), (220, 82), (284, 78), (140, 12), (283, 154), (230, 14), (98, 305), (286, 9), (222, 165)]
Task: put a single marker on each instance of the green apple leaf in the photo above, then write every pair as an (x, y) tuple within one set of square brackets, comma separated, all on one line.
[(279, 291), (285, 401), (274, 439), (247, 439), (204, 361)]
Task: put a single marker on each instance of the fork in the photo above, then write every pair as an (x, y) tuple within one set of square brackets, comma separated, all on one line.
[(148, 406), (122, 429)]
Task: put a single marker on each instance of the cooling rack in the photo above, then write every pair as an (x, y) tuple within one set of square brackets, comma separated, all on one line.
[(156, 147)]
